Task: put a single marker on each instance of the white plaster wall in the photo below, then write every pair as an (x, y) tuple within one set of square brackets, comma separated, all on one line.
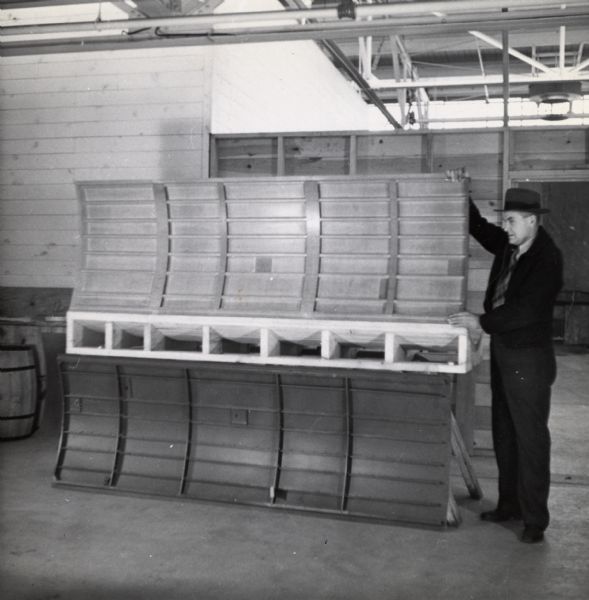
[(280, 86)]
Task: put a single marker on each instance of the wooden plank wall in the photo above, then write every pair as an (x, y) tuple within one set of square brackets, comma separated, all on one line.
[(132, 115)]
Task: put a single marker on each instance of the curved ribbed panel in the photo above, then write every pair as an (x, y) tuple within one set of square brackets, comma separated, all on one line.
[(297, 247), (344, 442)]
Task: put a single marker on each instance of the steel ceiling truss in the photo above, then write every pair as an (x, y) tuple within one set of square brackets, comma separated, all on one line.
[(155, 23)]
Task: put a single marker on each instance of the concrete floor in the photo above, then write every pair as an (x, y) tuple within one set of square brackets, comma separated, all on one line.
[(58, 543)]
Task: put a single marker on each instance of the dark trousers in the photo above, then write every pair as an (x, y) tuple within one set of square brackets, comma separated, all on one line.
[(520, 383)]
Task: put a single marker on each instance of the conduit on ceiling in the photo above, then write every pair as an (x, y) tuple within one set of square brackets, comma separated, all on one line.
[(437, 10)]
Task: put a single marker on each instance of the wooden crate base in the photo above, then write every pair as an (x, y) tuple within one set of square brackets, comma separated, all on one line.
[(389, 346)]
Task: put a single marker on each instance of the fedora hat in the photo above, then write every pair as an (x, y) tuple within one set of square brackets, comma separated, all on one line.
[(522, 200)]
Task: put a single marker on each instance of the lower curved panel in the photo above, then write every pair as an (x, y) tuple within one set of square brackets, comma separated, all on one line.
[(351, 443)]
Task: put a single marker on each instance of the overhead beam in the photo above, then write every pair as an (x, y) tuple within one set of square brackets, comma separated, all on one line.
[(316, 31), (437, 10), (515, 53), (470, 80)]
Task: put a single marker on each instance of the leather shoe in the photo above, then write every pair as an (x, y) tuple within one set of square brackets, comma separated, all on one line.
[(500, 516), (532, 534)]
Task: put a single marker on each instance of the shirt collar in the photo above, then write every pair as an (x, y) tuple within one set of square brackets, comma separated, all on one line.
[(523, 248)]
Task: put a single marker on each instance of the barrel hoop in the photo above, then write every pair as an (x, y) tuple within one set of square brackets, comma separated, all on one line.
[(21, 368), (28, 416), (20, 348)]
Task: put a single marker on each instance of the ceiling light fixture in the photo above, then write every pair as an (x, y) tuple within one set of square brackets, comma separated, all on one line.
[(555, 98)]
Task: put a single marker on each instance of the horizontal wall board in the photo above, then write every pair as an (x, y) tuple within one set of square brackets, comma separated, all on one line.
[(38, 192), (39, 207), (98, 129), (112, 98), (189, 110), (41, 252), (105, 63), (253, 167), (484, 165), (38, 267), (139, 143), (317, 167), (398, 146), (244, 148), (63, 280), (31, 237), (39, 223), (108, 82), (465, 143), (107, 159), (61, 176), (549, 142)]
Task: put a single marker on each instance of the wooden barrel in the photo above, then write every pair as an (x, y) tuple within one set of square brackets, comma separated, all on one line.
[(20, 398)]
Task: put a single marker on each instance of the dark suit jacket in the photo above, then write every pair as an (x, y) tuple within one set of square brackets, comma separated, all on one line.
[(526, 317)]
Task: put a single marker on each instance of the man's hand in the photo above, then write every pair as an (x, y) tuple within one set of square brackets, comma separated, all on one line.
[(470, 321)]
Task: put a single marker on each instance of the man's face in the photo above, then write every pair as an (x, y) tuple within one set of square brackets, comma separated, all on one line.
[(520, 227)]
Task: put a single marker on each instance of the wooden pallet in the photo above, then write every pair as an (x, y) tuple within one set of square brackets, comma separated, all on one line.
[(432, 347)]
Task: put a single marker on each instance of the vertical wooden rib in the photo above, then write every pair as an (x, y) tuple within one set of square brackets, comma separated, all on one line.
[(213, 157), (65, 424), (189, 433), (393, 247), (353, 159), (280, 446), (223, 248), (122, 430), (313, 248), (280, 156), (349, 444), (163, 246)]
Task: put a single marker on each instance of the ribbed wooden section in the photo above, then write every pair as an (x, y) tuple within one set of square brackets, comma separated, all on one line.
[(374, 247), (342, 442)]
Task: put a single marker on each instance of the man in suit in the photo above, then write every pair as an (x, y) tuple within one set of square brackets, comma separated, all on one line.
[(525, 279)]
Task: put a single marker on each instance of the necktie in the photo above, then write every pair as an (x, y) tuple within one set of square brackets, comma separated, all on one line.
[(503, 279)]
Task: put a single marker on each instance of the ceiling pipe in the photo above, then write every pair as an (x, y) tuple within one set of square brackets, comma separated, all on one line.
[(499, 118), (144, 37), (440, 8), (469, 80)]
